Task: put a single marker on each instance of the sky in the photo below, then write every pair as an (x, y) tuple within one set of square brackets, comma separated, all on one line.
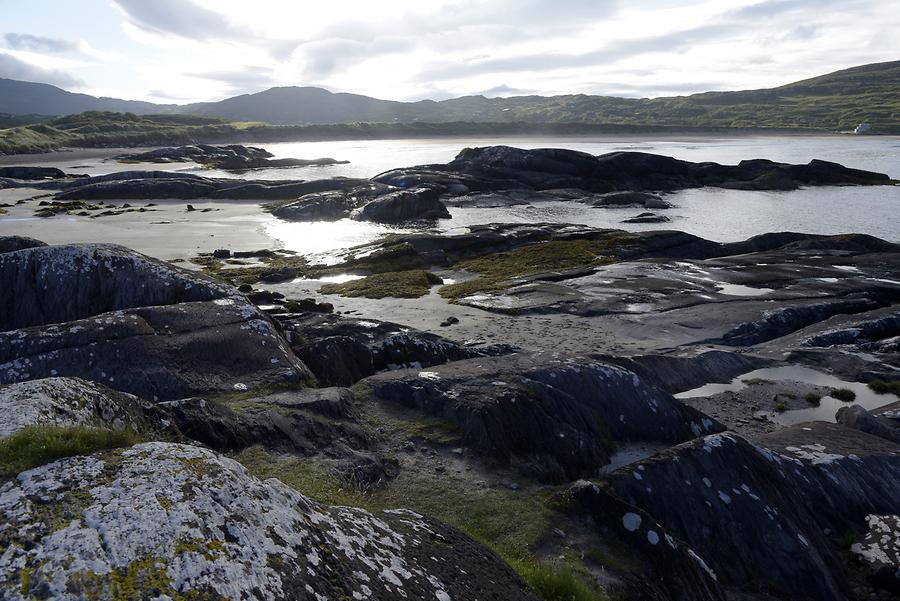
[(180, 51)]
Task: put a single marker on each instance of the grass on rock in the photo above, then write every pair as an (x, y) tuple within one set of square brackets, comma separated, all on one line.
[(498, 269), (392, 284), (885, 387), (37, 445), (843, 394), (510, 522)]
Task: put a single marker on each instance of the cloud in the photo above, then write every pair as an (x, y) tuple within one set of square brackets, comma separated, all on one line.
[(36, 43), (323, 57), (243, 80), (15, 68), (670, 42), (181, 18)]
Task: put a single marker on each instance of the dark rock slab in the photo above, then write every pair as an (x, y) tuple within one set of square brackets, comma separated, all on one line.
[(340, 351), (789, 492), (111, 315), (883, 425), (32, 173), (13, 243), (553, 419), (403, 205)]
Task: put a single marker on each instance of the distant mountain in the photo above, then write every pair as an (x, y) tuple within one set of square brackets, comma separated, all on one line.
[(26, 98), (840, 100)]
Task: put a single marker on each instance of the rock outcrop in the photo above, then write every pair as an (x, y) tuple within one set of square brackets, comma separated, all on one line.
[(494, 168), (161, 520), (74, 402), (795, 493), (552, 419), (403, 205), (109, 314), (340, 351)]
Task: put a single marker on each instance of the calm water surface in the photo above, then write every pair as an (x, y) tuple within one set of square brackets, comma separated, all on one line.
[(723, 215)]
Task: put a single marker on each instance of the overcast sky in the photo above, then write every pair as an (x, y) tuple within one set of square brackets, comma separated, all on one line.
[(177, 51)]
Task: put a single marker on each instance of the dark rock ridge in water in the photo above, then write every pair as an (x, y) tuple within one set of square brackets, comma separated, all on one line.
[(231, 157), (491, 176), (504, 167)]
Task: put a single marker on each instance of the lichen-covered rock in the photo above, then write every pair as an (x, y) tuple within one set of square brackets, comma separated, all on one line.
[(553, 419), (879, 549), (72, 402), (162, 520)]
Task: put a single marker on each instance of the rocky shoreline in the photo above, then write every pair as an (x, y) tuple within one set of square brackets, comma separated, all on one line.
[(634, 415)]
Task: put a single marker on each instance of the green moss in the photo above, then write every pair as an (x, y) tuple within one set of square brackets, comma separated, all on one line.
[(885, 387), (37, 445), (498, 269), (780, 407), (216, 268), (843, 394), (431, 429), (307, 476), (555, 581), (210, 549), (757, 381), (392, 284), (812, 398), (237, 396), (25, 581), (141, 579)]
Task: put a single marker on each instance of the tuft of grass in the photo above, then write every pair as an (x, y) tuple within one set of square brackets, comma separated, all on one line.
[(498, 269), (885, 387), (553, 582), (812, 398), (392, 284), (37, 445), (843, 394), (780, 407)]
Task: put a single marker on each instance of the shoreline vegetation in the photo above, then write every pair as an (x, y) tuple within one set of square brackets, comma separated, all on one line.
[(126, 130)]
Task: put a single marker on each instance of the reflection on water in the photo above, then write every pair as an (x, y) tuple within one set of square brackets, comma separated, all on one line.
[(824, 411), (724, 215), (320, 238)]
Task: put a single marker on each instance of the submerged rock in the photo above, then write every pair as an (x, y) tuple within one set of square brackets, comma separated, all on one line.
[(647, 218), (168, 520), (231, 157)]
